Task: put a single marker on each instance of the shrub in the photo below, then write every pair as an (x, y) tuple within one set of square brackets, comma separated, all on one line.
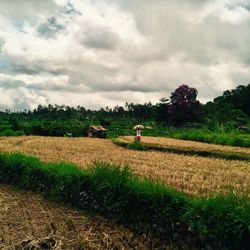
[(10, 132)]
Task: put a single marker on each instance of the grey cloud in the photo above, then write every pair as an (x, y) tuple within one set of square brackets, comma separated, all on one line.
[(22, 68), (1, 44), (9, 83), (4, 107), (120, 98), (28, 10), (21, 103), (99, 38), (125, 86), (17, 94), (241, 3), (28, 100), (50, 28), (173, 33), (240, 78), (70, 9), (54, 85), (57, 87), (21, 65)]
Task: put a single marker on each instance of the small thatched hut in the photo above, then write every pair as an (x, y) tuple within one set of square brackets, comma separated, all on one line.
[(97, 132)]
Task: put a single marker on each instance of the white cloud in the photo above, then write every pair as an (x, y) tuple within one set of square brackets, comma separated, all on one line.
[(99, 53), (236, 15)]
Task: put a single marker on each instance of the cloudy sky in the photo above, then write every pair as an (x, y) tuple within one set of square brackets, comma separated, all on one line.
[(106, 52)]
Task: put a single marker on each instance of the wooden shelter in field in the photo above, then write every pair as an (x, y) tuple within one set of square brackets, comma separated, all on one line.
[(97, 132)]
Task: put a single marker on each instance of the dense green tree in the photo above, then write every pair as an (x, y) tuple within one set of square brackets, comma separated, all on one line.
[(161, 111), (238, 98), (183, 106)]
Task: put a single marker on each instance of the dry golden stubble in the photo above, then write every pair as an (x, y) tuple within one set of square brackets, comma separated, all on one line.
[(192, 174), (185, 144)]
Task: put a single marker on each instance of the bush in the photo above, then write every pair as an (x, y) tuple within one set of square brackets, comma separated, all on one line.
[(10, 132), (4, 127)]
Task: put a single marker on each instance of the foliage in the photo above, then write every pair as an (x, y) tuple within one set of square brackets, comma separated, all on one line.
[(237, 98), (216, 222), (227, 113), (162, 114), (10, 132), (241, 140), (183, 106), (225, 118)]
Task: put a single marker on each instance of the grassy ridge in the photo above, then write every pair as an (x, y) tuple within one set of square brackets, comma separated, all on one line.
[(234, 138), (221, 221), (241, 140), (204, 153)]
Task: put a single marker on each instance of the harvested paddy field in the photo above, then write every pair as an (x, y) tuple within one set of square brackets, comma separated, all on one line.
[(192, 174), (28, 220), (191, 145)]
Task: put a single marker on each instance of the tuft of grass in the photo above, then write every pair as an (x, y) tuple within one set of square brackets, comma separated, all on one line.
[(131, 145), (224, 216)]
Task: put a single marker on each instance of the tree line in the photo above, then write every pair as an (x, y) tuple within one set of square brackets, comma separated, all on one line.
[(231, 110)]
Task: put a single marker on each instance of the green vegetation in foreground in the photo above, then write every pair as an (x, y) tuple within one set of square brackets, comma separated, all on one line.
[(216, 222), (216, 154)]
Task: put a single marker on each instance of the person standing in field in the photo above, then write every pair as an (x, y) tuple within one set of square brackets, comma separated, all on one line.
[(138, 129), (138, 135)]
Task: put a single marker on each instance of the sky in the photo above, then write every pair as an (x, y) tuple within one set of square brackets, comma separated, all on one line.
[(98, 53)]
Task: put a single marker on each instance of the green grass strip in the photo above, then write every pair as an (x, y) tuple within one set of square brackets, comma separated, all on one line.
[(203, 153), (216, 222), (214, 138)]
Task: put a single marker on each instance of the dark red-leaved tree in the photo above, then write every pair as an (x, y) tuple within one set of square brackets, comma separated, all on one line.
[(183, 105)]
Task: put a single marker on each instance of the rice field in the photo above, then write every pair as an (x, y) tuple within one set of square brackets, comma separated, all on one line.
[(198, 176), (184, 144)]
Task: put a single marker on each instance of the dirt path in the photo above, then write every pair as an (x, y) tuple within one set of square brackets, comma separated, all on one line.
[(27, 219)]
